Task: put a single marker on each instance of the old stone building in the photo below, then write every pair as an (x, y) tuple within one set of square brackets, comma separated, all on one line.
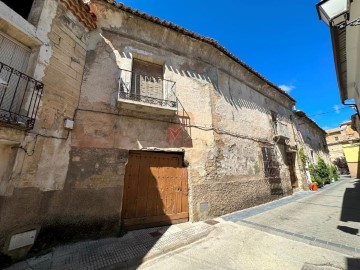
[(137, 122), (312, 139), (47, 41), (343, 142), (333, 140)]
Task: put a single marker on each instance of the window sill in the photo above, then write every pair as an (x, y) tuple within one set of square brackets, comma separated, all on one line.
[(16, 27), (145, 107)]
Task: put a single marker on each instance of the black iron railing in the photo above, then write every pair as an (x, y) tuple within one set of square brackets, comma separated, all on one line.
[(19, 98), (147, 89)]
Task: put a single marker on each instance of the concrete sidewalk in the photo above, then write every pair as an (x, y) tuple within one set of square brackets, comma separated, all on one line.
[(235, 246), (119, 253)]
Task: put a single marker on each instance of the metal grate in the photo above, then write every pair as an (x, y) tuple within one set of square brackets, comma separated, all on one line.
[(271, 165), (19, 97), (272, 170), (147, 89)]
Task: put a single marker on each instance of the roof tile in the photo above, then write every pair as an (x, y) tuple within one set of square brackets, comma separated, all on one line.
[(189, 33)]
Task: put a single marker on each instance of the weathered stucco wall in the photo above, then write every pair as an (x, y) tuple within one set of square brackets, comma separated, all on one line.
[(46, 184), (67, 182), (312, 139), (229, 110), (337, 138)]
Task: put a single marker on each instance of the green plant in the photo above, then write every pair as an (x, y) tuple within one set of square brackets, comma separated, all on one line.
[(315, 178), (334, 171), (303, 157), (331, 176), (322, 170)]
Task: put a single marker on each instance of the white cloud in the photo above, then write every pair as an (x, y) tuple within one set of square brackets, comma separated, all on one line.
[(287, 88), (326, 127), (337, 109)]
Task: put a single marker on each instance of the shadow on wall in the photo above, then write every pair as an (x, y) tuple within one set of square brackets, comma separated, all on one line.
[(155, 189), (234, 94), (316, 145), (179, 135), (155, 194)]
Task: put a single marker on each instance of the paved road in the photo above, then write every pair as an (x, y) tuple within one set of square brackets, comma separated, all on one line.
[(305, 231), (329, 218)]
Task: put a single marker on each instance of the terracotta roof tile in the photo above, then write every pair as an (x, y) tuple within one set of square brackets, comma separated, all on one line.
[(82, 12)]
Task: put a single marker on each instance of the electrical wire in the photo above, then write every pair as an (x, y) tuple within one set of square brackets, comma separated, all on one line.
[(335, 110)]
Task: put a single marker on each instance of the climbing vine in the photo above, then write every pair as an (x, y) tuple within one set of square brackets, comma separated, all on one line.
[(303, 157)]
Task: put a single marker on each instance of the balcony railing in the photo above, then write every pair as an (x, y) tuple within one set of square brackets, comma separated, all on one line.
[(281, 130), (147, 89), (19, 98)]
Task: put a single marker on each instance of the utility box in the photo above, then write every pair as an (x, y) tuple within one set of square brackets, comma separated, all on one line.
[(22, 240), (69, 124)]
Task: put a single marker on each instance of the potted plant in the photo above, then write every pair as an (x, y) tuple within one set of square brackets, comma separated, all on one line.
[(314, 186)]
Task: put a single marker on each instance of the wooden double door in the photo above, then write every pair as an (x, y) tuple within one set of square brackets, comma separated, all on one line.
[(155, 190)]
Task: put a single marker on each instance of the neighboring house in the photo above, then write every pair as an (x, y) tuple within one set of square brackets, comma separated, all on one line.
[(312, 139), (42, 56), (344, 142), (341, 16), (334, 139), (140, 122)]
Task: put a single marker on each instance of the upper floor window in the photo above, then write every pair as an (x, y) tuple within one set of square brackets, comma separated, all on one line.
[(147, 79), (30, 10), (19, 94), (280, 128), (22, 8), (336, 138), (145, 83)]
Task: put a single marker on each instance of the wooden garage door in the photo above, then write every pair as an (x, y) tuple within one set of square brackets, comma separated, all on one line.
[(155, 190)]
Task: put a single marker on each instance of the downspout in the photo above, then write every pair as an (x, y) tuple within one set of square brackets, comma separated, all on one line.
[(352, 105)]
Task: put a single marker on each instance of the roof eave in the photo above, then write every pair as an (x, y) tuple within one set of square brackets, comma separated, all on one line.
[(338, 38), (194, 35)]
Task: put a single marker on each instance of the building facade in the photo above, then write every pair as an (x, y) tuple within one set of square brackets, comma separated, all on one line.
[(343, 142), (312, 139), (140, 123), (333, 139), (341, 18), (42, 56)]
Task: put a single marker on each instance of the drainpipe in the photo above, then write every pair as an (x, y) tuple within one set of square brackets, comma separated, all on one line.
[(352, 105)]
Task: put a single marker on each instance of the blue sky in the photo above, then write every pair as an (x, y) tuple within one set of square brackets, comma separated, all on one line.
[(283, 40)]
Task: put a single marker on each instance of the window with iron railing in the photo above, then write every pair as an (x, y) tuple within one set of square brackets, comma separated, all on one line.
[(19, 98), (271, 165), (280, 128), (145, 84)]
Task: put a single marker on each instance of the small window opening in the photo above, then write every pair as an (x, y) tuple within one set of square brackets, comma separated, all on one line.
[(147, 79), (274, 117), (21, 7)]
